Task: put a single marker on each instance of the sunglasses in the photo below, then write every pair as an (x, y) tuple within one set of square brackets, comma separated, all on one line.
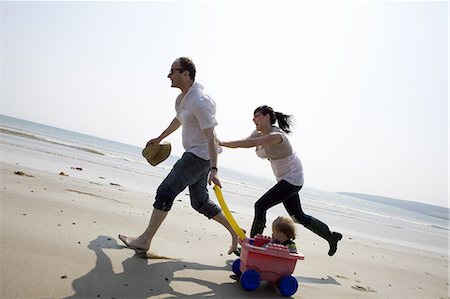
[(172, 70)]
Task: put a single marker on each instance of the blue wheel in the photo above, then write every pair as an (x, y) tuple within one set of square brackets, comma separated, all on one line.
[(287, 285), (250, 280), (236, 267)]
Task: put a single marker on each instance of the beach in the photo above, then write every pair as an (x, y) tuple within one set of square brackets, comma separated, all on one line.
[(65, 198), (59, 240)]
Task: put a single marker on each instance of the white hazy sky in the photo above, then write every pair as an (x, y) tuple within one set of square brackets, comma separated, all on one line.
[(367, 81)]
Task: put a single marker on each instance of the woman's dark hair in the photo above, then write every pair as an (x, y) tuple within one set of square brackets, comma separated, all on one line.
[(284, 121), (188, 65)]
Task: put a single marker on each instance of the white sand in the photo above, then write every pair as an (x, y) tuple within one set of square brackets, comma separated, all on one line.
[(59, 239)]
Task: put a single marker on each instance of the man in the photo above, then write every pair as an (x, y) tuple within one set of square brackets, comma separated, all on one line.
[(195, 112)]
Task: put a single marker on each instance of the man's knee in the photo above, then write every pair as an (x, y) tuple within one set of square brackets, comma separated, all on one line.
[(207, 208), (164, 198)]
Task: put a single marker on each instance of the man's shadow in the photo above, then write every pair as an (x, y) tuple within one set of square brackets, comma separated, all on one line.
[(143, 279), (139, 279)]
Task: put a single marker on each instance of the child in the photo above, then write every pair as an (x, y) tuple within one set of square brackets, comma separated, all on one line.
[(283, 232)]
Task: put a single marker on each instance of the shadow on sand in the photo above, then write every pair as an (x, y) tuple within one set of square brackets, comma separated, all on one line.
[(143, 278)]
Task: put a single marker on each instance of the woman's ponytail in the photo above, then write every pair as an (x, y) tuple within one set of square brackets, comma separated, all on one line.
[(285, 122)]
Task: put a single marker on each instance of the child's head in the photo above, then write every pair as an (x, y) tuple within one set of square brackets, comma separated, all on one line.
[(283, 228)]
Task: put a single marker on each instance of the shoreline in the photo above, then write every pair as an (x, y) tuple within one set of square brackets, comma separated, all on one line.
[(65, 229), (147, 179)]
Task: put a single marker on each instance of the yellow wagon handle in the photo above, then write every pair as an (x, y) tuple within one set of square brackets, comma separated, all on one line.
[(227, 213)]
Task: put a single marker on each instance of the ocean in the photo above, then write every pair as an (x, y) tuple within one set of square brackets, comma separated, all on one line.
[(409, 224)]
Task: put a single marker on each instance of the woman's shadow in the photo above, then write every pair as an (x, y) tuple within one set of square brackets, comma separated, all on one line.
[(139, 279)]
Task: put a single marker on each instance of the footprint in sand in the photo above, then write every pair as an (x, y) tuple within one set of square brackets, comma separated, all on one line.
[(363, 289), (21, 173), (152, 256)]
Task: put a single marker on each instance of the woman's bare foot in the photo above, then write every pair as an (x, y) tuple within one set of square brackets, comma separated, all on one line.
[(134, 243)]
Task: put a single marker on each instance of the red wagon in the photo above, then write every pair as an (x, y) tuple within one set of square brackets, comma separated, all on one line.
[(261, 260)]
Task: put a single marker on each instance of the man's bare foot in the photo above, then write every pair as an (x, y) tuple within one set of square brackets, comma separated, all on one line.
[(134, 243)]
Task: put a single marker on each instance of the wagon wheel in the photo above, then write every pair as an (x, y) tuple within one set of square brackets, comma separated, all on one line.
[(287, 285), (250, 280), (236, 267)]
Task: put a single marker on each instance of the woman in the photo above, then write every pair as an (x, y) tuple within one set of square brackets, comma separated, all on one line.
[(271, 143)]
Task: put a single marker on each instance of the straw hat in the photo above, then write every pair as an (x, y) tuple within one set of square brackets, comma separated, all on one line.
[(156, 153)]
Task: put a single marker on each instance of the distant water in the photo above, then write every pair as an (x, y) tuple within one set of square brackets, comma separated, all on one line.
[(411, 224)]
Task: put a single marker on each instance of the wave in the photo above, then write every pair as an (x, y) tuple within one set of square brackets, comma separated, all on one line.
[(349, 212), (40, 138), (313, 200), (334, 208), (412, 206), (440, 227), (380, 223)]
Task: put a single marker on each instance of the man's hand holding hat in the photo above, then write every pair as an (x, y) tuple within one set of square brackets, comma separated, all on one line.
[(155, 152)]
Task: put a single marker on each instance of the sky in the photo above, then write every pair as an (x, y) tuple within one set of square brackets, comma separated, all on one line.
[(367, 81)]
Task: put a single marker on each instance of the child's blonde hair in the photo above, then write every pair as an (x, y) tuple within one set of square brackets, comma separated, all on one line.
[(285, 225)]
